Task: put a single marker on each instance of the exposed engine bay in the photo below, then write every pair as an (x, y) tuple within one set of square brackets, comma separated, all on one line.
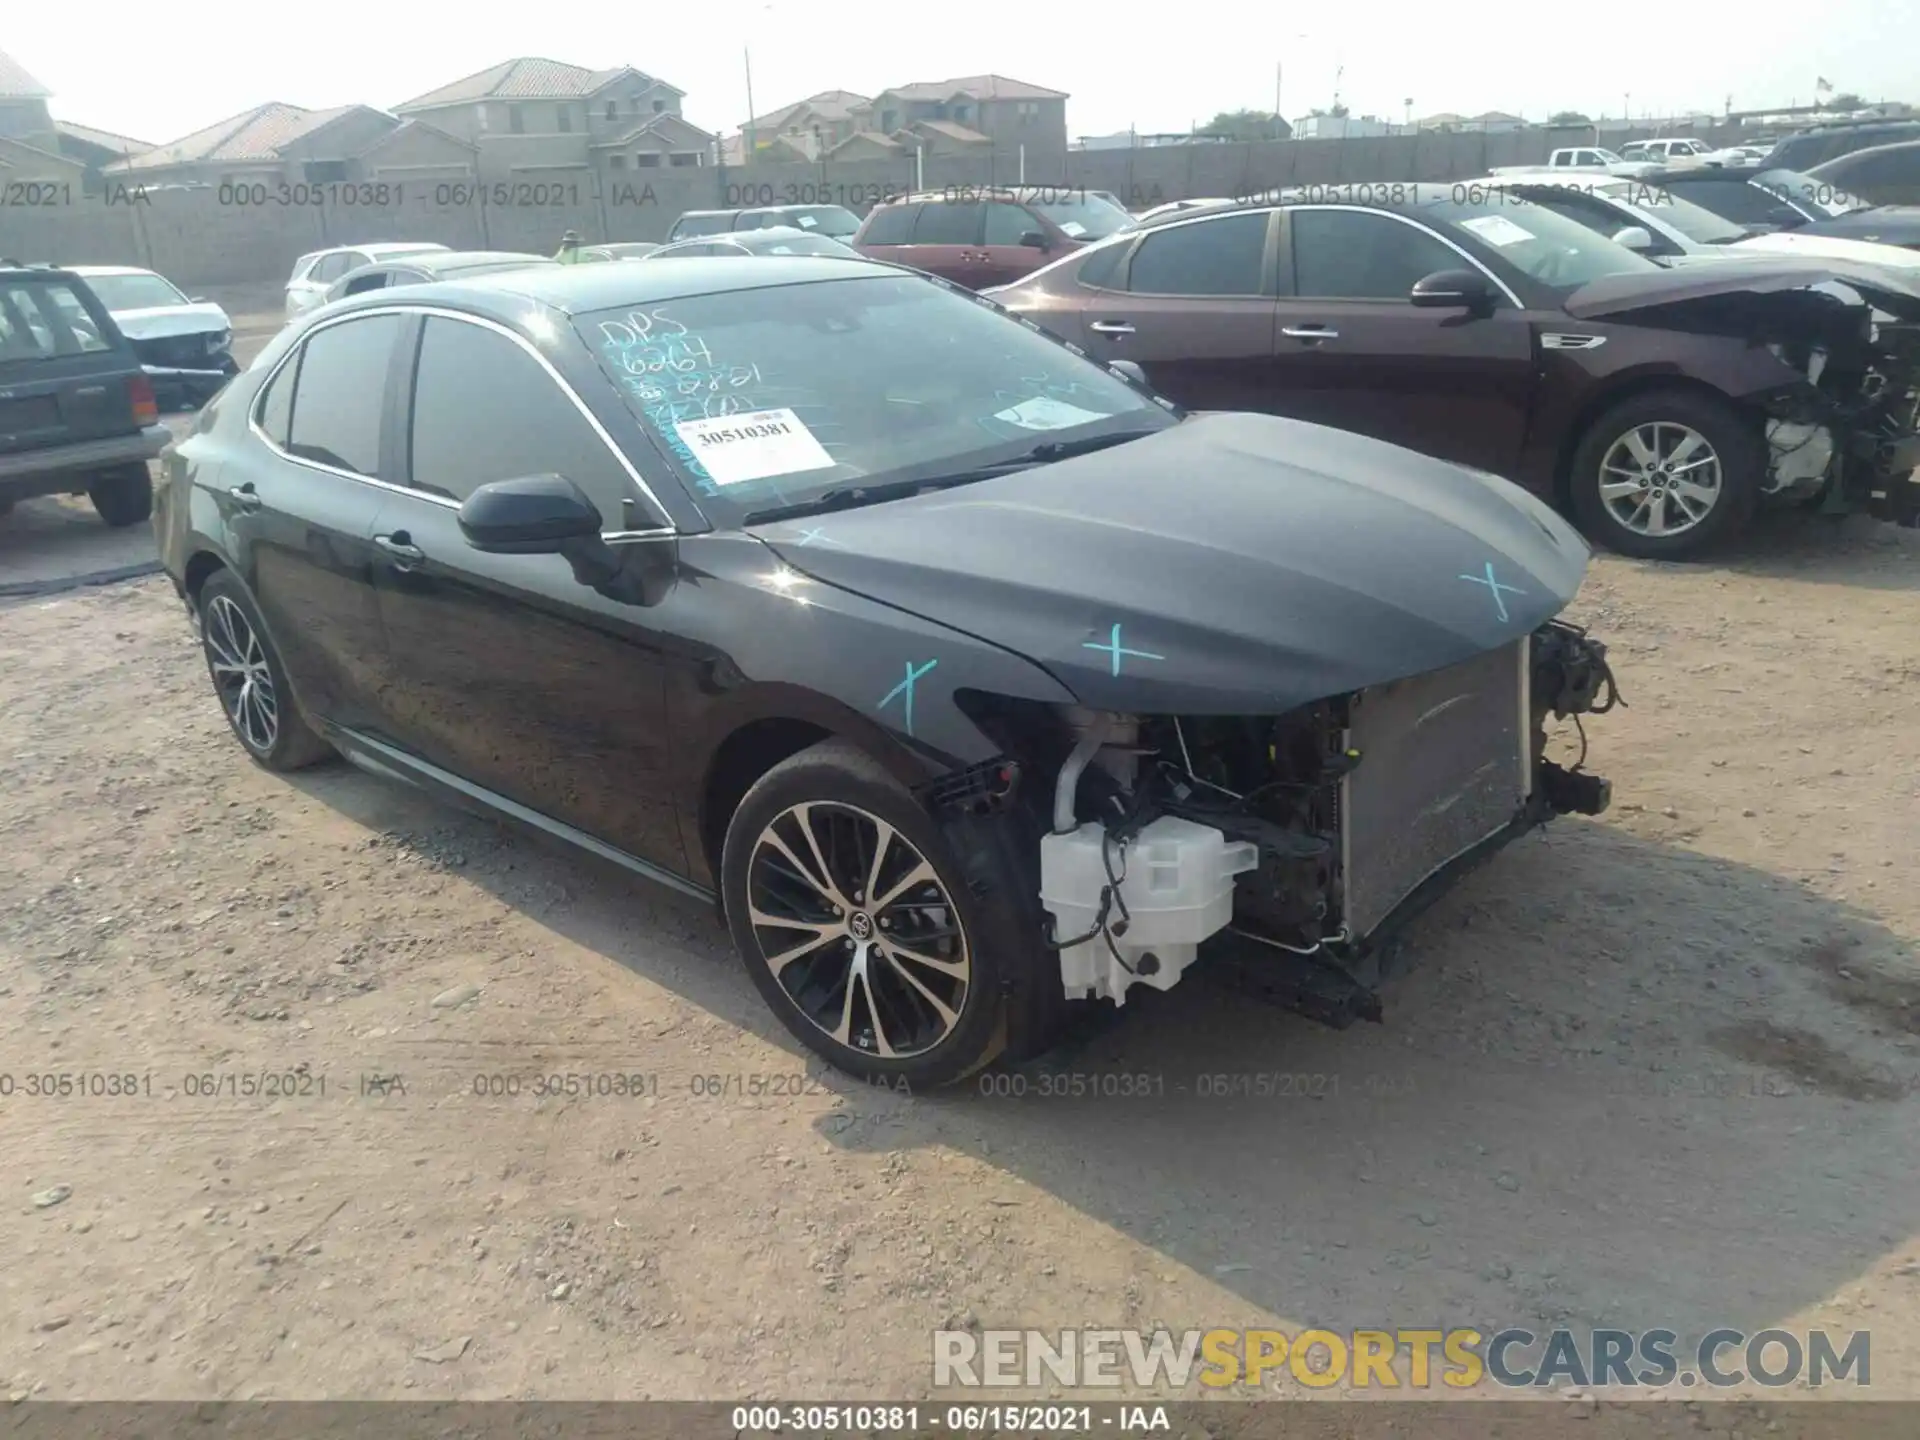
[(1852, 433), (1306, 835)]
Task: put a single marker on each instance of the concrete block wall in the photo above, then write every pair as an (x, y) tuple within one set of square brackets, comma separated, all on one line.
[(237, 235)]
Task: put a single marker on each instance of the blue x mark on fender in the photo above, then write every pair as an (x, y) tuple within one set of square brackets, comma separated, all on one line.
[(1114, 648), (1495, 588), (905, 687), (807, 537)]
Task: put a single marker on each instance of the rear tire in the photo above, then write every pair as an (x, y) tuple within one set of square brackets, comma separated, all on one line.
[(122, 496), (250, 681), (1667, 474), (910, 990)]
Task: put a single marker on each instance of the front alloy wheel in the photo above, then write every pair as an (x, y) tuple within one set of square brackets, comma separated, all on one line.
[(1660, 479), (857, 930), (890, 943)]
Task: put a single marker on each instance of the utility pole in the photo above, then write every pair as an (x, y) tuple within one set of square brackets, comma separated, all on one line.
[(746, 55)]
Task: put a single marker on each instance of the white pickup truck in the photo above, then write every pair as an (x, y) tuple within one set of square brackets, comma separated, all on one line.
[(1585, 158)]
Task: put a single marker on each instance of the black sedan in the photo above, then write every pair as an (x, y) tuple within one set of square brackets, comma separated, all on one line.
[(432, 265), (971, 680), (1787, 200), (771, 240)]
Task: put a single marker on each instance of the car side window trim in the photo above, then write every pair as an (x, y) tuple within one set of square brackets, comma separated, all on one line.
[(292, 357), (1472, 260), (1269, 259), (573, 396)]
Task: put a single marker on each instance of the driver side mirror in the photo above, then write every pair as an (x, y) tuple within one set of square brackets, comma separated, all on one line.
[(550, 515), (1636, 238), (534, 515), (1453, 290), (1036, 240)]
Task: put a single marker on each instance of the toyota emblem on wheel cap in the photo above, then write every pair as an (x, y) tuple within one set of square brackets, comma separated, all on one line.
[(860, 925)]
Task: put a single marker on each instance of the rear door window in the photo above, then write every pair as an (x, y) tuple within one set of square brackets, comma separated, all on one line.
[(1225, 256), (341, 394), (43, 320), (891, 225), (949, 224)]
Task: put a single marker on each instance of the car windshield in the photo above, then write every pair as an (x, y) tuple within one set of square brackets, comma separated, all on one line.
[(770, 397), (1548, 248), (1607, 157), (134, 292), (793, 242), (833, 220), (1803, 190), (1083, 216), (1696, 222)]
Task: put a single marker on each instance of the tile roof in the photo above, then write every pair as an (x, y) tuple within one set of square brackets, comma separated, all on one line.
[(527, 78), (16, 83), (981, 87), (872, 137), (87, 135), (952, 130), (829, 104), (252, 135)]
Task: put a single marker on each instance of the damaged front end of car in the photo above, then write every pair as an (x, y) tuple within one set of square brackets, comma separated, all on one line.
[(1848, 439), (1285, 850)]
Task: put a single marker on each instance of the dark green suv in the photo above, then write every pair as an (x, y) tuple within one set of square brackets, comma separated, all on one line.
[(77, 414)]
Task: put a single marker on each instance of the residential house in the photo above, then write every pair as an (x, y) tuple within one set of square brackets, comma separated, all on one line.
[(96, 149), (530, 115), (1445, 120), (804, 130), (1494, 122), (277, 144), (29, 141), (23, 108), (958, 116)]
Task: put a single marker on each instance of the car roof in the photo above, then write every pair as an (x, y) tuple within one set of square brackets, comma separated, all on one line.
[(582, 289), (702, 214), (385, 247), (457, 259), (109, 270)]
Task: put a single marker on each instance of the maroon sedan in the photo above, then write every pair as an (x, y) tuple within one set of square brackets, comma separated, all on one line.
[(1659, 406), (979, 237)]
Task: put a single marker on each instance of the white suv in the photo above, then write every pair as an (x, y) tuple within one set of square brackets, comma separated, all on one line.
[(315, 271)]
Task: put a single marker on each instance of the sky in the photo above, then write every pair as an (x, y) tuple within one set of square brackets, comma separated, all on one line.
[(1130, 65)]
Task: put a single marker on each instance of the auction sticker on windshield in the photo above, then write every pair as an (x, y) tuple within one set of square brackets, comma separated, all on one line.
[(1043, 413), (1498, 230), (734, 449)]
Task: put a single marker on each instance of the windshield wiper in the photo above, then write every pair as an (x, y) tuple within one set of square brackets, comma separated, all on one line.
[(844, 497)]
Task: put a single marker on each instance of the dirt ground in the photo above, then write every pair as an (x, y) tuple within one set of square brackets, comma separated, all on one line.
[(1657, 1069)]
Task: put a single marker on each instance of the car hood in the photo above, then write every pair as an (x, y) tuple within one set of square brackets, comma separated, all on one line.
[(164, 320), (1672, 296), (1885, 224), (1829, 247), (1231, 564)]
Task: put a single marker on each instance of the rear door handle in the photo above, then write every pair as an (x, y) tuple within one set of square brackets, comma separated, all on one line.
[(400, 547), (244, 496), (1310, 332), (1110, 327)]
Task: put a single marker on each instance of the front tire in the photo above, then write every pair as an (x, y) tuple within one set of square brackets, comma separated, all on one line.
[(856, 922), (1667, 475), (122, 496), (250, 680)]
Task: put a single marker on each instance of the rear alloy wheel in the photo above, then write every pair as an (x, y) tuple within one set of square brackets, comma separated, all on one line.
[(123, 496), (840, 896), (251, 682), (1665, 475)]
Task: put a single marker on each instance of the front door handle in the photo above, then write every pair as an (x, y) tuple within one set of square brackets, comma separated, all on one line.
[(400, 547), (1310, 332), (244, 496), (1110, 327)]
